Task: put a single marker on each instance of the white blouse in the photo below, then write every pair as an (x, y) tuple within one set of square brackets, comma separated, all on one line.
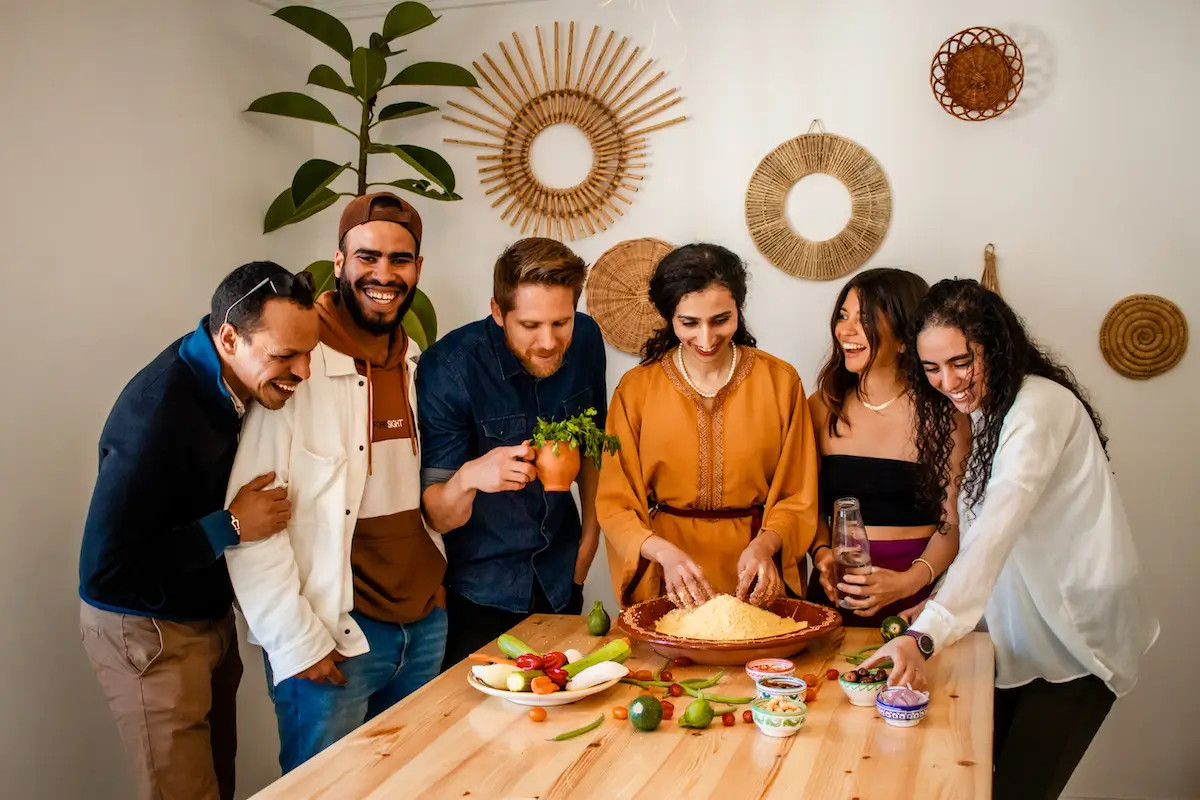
[(1048, 556)]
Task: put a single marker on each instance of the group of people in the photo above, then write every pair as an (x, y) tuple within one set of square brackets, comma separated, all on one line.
[(375, 513)]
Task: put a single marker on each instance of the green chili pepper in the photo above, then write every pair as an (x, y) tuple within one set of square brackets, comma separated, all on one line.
[(658, 672), (591, 726)]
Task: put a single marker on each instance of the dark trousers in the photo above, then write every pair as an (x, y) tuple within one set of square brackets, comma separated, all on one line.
[(1041, 732), (473, 626)]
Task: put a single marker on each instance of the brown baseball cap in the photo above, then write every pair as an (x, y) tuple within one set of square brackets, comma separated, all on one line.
[(368, 208)]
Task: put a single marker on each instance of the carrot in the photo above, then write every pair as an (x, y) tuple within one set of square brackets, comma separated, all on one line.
[(485, 658), (543, 685)]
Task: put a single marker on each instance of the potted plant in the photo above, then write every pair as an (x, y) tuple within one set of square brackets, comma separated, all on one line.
[(320, 183), (557, 465)]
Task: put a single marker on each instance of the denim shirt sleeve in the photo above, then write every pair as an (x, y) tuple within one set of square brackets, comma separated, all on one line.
[(598, 380), (444, 417)]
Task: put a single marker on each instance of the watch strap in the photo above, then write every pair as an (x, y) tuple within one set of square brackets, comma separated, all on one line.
[(924, 642)]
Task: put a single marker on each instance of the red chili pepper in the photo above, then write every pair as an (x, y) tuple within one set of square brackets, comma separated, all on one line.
[(558, 675), (553, 659), (529, 661)]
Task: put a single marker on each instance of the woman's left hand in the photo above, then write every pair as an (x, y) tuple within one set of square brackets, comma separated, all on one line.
[(909, 664), (869, 593), (758, 561)]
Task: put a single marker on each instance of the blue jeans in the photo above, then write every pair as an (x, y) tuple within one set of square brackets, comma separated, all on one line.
[(312, 716)]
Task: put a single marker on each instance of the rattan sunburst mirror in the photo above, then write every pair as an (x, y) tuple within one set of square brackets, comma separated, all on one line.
[(784, 167), (599, 96)]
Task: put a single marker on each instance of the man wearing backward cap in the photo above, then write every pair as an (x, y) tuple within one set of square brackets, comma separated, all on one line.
[(348, 602)]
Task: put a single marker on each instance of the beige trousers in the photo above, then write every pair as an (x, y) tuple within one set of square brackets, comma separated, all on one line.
[(172, 688)]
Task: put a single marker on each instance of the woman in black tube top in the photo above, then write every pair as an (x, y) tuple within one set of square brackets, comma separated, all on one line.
[(863, 414)]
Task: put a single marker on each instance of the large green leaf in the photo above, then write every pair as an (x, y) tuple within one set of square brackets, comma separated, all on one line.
[(368, 69), (423, 160), (323, 277), (313, 176), (295, 105), (327, 77), (424, 189), (413, 325), (283, 212), (434, 73), (398, 110), (321, 26), (422, 307), (406, 18)]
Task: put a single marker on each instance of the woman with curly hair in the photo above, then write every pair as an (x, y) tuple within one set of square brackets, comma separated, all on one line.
[(714, 489), (866, 434), (1047, 558)]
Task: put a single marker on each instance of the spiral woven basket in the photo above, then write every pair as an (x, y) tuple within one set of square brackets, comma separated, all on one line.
[(977, 74), (1143, 335), (870, 206), (618, 293)]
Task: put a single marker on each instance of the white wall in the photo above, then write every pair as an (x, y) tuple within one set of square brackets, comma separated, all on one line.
[(133, 183)]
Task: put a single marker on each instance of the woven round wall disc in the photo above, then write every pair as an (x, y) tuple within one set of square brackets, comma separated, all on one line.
[(618, 293), (977, 74), (1143, 335), (870, 206)]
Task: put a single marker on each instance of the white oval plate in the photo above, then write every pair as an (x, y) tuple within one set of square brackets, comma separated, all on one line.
[(559, 698)]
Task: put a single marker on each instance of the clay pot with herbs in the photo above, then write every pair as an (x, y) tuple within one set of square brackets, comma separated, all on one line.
[(561, 445)]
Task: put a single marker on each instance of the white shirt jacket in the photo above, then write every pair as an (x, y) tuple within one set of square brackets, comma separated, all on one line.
[(1048, 558), (295, 588)]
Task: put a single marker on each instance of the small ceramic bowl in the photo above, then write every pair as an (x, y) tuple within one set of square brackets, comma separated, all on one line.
[(763, 668), (790, 687), (777, 724), (861, 694), (895, 711)]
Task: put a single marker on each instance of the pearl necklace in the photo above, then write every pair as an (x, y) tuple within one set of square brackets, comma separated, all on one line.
[(885, 405), (688, 378)]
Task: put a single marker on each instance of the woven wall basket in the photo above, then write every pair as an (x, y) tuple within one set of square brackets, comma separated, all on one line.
[(977, 74), (783, 167), (618, 293), (601, 92), (1143, 335)]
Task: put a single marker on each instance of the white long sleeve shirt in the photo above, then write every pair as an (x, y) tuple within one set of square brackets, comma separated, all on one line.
[(1048, 557)]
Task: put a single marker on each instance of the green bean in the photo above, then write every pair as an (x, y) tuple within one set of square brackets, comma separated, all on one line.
[(716, 698), (658, 672), (591, 726)]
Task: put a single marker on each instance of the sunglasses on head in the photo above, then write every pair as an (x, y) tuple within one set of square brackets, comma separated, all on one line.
[(285, 284)]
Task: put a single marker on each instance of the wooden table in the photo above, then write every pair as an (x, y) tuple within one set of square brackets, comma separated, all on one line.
[(449, 740)]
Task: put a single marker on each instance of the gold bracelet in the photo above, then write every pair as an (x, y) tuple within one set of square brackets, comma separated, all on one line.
[(932, 574)]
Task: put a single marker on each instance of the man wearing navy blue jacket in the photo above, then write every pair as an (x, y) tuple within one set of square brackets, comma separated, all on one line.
[(156, 616)]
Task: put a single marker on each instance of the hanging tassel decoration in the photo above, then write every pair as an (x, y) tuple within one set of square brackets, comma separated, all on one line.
[(989, 279)]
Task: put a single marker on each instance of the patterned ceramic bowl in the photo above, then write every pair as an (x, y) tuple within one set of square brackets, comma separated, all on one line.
[(777, 724), (861, 694), (763, 668), (895, 711), (790, 687)]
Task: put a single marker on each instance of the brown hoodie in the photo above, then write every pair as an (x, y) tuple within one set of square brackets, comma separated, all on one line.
[(397, 568)]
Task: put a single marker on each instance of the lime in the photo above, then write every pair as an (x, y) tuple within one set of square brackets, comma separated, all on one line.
[(698, 715), (645, 712)]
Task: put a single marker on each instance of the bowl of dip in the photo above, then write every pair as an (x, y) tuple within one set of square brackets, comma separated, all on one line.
[(761, 669), (788, 687)]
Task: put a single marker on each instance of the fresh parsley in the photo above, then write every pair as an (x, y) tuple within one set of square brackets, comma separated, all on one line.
[(577, 431)]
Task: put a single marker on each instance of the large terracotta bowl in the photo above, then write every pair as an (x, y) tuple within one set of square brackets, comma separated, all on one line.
[(639, 620)]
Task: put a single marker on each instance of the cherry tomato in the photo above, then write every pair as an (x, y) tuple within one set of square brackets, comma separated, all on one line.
[(747, 716), (809, 678), (728, 720), (642, 675), (529, 661), (668, 709), (537, 714), (682, 661), (810, 694), (675, 690), (620, 712), (831, 674)]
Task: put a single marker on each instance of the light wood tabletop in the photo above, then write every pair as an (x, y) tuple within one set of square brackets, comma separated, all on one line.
[(449, 740)]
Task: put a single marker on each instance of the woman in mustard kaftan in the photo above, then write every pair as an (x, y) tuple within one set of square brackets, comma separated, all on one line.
[(714, 488)]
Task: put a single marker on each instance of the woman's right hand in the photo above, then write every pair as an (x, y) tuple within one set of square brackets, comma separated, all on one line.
[(909, 614), (824, 565), (684, 579)]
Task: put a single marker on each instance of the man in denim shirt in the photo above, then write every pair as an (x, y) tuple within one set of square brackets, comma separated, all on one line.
[(513, 549)]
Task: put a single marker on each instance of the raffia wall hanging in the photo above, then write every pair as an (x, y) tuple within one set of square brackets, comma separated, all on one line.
[(977, 74), (1143, 335), (593, 95), (787, 164), (618, 293), (989, 279)]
